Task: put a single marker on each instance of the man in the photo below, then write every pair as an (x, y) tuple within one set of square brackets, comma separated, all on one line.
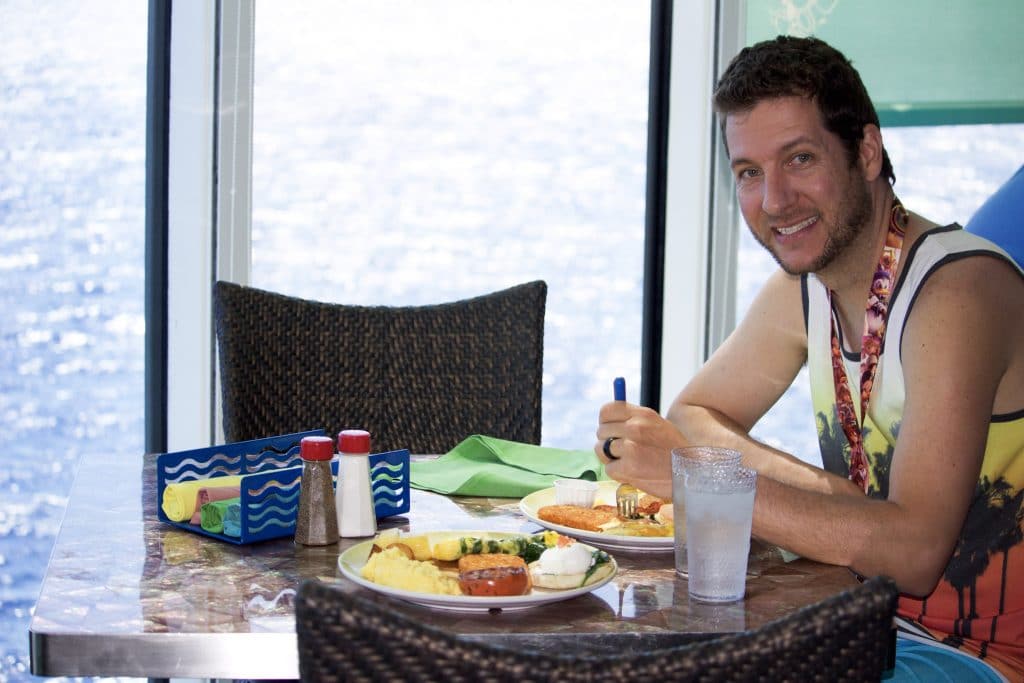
[(921, 328)]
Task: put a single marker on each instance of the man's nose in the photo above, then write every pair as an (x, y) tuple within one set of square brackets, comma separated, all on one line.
[(778, 194)]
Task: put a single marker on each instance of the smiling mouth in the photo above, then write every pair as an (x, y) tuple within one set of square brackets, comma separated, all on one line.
[(797, 227)]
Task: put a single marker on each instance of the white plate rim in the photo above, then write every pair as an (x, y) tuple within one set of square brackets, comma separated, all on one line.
[(351, 560), (538, 499)]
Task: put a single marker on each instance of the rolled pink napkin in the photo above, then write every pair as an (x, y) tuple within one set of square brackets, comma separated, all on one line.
[(210, 495), (179, 499)]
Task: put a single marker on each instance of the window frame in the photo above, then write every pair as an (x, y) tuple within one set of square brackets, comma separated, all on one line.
[(690, 246)]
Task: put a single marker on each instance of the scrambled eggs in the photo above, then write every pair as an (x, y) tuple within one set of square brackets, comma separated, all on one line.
[(392, 568)]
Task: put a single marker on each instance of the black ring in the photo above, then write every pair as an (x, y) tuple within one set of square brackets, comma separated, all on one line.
[(608, 448)]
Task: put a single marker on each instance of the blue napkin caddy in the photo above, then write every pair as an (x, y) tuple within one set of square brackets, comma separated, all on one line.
[(271, 471)]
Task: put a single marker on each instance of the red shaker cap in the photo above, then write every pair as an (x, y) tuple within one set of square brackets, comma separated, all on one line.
[(316, 448), (355, 441)]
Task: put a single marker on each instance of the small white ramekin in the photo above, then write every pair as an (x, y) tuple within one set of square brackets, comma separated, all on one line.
[(575, 492)]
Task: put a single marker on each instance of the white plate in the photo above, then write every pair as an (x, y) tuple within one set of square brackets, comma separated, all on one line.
[(605, 496), (351, 561)]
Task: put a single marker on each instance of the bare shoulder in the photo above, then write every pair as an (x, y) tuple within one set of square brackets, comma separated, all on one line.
[(987, 283), (778, 303), (970, 313)]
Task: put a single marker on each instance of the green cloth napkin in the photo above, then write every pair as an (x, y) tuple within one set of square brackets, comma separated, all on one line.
[(486, 466), (213, 514)]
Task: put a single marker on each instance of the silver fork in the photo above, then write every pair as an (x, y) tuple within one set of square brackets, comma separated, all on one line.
[(627, 499)]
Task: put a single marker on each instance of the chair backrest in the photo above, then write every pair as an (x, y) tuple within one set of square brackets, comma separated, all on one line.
[(1001, 218), (343, 635), (416, 377)]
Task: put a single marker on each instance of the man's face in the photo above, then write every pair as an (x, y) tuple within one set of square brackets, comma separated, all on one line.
[(796, 188)]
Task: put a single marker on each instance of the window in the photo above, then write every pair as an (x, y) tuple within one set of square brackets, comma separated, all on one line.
[(409, 153)]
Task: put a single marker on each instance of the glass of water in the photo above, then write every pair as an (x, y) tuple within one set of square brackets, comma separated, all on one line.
[(719, 513), (692, 457)]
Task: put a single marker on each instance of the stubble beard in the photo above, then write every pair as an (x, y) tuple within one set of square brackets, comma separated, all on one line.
[(852, 215)]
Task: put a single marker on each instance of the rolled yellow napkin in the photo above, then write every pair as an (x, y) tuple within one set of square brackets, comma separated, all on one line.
[(179, 503)]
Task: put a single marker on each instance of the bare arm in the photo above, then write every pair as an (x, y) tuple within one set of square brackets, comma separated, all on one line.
[(740, 382), (745, 377), (956, 350)]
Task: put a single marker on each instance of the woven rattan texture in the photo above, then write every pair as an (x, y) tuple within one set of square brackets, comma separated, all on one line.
[(346, 637), (416, 377)]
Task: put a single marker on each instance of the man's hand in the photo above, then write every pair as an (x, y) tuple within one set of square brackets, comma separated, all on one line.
[(641, 446)]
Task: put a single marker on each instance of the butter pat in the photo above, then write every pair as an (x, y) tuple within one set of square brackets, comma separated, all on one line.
[(393, 569)]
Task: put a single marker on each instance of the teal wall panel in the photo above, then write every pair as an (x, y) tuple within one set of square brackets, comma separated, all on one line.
[(925, 62)]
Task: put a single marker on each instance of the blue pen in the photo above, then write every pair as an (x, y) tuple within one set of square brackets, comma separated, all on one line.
[(620, 388)]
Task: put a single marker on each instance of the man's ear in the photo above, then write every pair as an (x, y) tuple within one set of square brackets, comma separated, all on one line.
[(871, 152)]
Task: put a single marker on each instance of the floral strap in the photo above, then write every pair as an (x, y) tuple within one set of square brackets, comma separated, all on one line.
[(875, 315)]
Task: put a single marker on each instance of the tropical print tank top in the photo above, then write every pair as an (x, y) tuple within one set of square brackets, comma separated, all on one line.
[(978, 604)]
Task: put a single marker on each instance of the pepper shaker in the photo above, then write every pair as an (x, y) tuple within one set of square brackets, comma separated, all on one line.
[(316, 522), (356, 516)]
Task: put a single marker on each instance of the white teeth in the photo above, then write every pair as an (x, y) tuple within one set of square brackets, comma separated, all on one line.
[(795, 228)]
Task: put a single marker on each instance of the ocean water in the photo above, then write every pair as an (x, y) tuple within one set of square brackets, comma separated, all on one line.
[(72, 148), (494, 148), (72, 154)]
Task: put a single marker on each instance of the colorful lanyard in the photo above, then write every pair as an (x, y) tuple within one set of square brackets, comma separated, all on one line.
[(875, 315)]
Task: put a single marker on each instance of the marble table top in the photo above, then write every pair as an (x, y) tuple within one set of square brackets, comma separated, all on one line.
[(127, 595)]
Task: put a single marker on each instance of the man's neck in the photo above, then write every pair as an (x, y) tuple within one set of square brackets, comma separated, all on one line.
[(850, 275)]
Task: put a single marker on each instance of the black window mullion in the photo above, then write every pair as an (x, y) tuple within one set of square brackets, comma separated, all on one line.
[(657, 173), (158, 83)]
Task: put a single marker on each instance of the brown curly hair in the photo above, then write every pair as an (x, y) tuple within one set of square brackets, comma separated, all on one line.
[(788, 66)]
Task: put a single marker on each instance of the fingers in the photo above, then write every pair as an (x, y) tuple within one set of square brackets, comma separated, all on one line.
[(609, 429), (614, 470), (612, 449), (615, 411), (619, 418), (618, 468), (614, 465), (606, 447), (611, 425)]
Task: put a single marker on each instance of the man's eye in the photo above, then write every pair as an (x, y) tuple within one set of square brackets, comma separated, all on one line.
[(747, 173), (802, 158)]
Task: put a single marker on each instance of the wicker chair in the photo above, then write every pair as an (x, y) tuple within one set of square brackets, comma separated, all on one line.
[(345, 636), (416, 377)]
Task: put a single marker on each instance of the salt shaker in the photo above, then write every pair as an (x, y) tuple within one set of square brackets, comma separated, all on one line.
[(316, 522), (356, 516)]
